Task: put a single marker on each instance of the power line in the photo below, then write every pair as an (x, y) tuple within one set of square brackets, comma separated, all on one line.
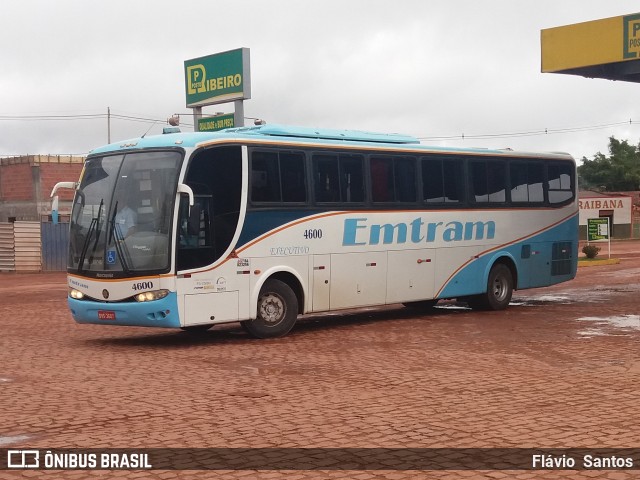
[(52, 117), (531, 133), (462, 136)]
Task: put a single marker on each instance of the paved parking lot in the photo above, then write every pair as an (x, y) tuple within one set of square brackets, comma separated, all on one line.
[(559, 368)]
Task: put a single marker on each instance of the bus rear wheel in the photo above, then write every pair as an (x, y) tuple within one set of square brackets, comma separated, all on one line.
[(277, 311), (499, 290)]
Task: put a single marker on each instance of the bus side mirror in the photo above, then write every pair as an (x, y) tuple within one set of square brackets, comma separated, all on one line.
[(184, 188), (54, 202), (54, 210)]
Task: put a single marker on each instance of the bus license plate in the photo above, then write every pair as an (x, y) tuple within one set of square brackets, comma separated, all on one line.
[(106, 315)]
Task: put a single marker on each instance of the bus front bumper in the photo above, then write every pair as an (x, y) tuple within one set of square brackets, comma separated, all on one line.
[(156, 313)]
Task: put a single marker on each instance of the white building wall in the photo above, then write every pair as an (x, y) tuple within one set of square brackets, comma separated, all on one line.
[(591, 207)]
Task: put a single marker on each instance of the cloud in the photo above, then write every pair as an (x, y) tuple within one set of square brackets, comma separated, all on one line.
[(431, 69)]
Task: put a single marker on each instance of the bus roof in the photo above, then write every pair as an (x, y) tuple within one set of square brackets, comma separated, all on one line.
[(302, 135)]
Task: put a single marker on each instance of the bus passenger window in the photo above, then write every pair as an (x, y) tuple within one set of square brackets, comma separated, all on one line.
[(560, 185), (454, 188), (519, 185), (526, 182), (292, 177), (381, 179), (432, 181), (478, 183), (442, 180), (351, 178), (277, 177), (535, 178), (488, 181), (338, 178), (327, 185), (393, 179), (497, 181), (405, 179), (265, 177)]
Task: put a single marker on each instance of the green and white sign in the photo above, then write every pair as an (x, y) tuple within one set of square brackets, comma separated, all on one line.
[(219, 122), (220, 78), (597, 229)]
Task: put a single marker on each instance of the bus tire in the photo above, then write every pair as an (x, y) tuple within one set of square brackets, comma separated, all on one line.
[(277, 311), (499, 290)]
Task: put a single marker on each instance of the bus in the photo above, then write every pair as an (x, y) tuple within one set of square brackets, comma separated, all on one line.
[(261, 224)]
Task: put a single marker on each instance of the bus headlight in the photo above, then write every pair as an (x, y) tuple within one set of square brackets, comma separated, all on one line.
[(77, 294), (149, 296)]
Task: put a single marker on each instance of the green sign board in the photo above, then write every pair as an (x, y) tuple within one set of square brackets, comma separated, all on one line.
[(219, 122), (597, 229), (220, 78)]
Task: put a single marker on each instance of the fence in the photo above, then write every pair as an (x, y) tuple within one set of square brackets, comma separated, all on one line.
[(7, 248), (55, 241), (33, 246)]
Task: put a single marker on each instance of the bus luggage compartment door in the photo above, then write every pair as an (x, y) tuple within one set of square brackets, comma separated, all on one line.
[(358, 279), (321, 286), (411, 275), (215, 307)]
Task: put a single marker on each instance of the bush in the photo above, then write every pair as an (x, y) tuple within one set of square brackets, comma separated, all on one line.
[(591, 251)]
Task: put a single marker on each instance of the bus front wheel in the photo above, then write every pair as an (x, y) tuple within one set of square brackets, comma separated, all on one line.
[(499, 290), (277, 311)]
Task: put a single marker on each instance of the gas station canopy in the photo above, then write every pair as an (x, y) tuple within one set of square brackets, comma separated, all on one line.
[(607, 48)]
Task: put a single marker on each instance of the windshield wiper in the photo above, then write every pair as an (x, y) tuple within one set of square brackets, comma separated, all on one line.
[(98, 225), (85, 245), (121, 247), (94, 226), (113, 223), (98, 228)]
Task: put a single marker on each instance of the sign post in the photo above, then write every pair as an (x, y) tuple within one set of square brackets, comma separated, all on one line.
[(220, 78), (598, 230)]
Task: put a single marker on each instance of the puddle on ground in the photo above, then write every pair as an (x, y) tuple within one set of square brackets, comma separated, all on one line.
[(14, 439), (596, 294), (607, 325), (539, 300)]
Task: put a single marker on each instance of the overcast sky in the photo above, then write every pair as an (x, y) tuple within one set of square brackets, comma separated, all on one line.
[(429, 68)]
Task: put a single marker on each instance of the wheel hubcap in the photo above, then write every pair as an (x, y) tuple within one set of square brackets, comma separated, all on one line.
[(272, 309), (499, 289)]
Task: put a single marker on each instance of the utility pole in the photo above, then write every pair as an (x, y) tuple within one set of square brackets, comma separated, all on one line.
[(108, 125)]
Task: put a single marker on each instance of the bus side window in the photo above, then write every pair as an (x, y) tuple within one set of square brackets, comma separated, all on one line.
[(292, 177), (405, 179), (488, 181), (432, 181), (559, 181), (265, 177), (393, 179), (327, 184), (278, 177), (351, 178), (381, 179)]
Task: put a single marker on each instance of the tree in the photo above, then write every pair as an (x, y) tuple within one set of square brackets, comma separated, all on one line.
[(618, 172)]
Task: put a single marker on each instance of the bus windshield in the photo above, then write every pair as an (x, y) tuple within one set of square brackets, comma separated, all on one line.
[(122, 214)]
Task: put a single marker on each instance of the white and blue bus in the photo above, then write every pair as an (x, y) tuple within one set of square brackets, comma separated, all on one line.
[(262, 224)]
